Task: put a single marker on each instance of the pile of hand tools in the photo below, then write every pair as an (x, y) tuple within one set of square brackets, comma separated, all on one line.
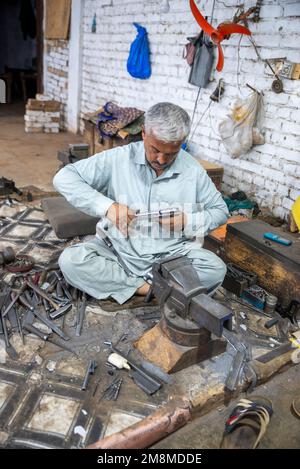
[(29, 301)]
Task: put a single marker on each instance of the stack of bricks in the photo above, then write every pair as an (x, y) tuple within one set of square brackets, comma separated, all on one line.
[(42, 115)]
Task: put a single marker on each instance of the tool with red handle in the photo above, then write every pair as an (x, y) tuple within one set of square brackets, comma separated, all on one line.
[(217, 34)]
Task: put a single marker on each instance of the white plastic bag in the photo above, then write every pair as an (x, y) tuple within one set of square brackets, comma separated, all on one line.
[(238, 131)]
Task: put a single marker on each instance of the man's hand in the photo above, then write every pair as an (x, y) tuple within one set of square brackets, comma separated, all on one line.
[(121, 216), (175, 223)]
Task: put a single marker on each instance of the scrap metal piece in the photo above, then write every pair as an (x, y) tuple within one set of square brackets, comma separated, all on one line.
[(27, 324), (267, 357), (60, 312), (10, 350), (114, 390), (141, 377), (34, 330), (44, 320), (242, 355), (46, 308), (149, 386), (148, 315), (156, 371), (62, 283), (92, 365), (81, 307), (14, 300), (235, 370)]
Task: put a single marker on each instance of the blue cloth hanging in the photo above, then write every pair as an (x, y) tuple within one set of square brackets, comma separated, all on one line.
[(138, 63)]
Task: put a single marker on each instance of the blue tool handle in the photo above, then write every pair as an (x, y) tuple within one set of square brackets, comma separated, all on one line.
[(274, 237)]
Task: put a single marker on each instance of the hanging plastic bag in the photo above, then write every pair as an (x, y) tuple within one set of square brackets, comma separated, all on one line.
[(202, 61), (138, 63), (238, 131)]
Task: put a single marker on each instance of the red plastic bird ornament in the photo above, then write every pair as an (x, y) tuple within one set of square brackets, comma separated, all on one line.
[(217, 35)]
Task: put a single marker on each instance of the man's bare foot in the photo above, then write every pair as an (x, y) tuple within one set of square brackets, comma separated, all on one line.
[(143, 290)]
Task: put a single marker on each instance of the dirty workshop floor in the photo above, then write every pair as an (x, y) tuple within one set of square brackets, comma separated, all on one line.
[(283, 432), (44, 383)]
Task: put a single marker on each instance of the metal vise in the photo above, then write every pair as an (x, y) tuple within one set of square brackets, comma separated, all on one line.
[(177, 287), (192, 323)]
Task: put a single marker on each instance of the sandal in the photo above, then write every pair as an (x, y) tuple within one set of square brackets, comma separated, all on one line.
[(295, 407), (133, 303), (247, 424)]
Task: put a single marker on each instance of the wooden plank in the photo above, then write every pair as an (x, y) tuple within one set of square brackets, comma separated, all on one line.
[(220, 233), (58, 14)]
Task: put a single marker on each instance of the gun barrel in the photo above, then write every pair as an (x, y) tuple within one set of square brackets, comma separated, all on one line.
[(162, 213)]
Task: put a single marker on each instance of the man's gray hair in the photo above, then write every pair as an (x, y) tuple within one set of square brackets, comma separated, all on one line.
[(167, 122)]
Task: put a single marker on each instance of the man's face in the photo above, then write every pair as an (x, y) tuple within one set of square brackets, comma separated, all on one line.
[(160, 154)]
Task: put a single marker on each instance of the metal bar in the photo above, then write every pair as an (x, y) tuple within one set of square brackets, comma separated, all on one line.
[(13, 301), (9, 348), (92, 365), (137, 368), (234, 373), (52, 326), (46, 321), (80, 314)]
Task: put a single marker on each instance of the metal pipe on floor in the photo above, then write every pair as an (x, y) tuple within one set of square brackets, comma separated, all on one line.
[(166, 420)]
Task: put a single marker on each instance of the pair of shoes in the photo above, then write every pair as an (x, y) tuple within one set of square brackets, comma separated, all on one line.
[(247, 424)]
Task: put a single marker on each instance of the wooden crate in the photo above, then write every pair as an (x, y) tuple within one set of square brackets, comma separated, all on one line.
[(277, 266)]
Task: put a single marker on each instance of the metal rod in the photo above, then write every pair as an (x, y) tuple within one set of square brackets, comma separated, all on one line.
[(5, 312), (42, 293)]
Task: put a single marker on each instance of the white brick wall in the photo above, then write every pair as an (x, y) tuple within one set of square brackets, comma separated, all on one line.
[(57, 60), (269, 173)]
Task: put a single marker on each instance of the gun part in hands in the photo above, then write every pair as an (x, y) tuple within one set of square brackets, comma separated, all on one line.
[(157, 214)]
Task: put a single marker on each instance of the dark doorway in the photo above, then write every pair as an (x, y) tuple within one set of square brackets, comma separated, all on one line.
[(21, 48)]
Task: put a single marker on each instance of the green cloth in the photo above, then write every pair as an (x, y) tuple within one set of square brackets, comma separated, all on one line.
[(234, 204)]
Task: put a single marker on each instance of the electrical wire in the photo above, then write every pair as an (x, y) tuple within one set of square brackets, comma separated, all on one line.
[(195, 106), (198, 94), (212, 11), (201, 117), (212, 126)]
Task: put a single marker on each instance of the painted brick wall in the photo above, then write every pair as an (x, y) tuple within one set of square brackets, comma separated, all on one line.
[(269, 173), (56, 86)]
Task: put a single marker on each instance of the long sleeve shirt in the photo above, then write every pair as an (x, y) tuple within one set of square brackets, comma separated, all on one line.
[(123, 175)]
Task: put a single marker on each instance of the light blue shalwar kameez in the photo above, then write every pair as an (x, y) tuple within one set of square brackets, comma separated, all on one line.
[(123, 175)]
